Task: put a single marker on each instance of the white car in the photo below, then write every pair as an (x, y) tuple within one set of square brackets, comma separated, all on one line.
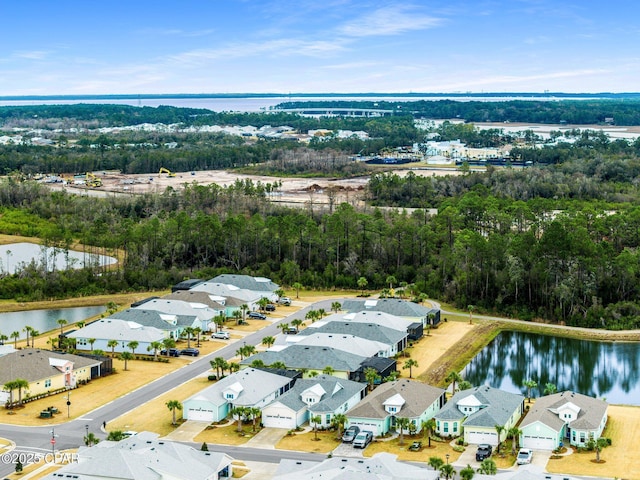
[(524, 456), (220, 335)]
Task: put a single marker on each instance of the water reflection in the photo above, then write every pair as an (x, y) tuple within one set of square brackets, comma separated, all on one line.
[(44, 320), (15, 257), (598, 369)]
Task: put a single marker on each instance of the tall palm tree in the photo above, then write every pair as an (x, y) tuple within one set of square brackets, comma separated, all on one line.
[(218, 363), (112, 344), (168, 343), (133, 345), (233, 367), (155, 346), (403, 424), (410, 364), (125, 357), (27, 329), (268, 341), (499, 430), (173, 405), (240, 413), (599, 445), (10, 386), (336, 307), (297, 286), (429, 426), (296, 322), (254, 413), (244, 308), (278, 365), (284, 327), (62, 322), (339, 420), (550, 389), (15, 335), (371, 375), (362, 284), (197, 331), (435, 463), (91, 342), (514, 433), (448, 471), (34, 334), (20, 384), (315, 420), (530, 383), (453, 377), (90, 439), (188, 331), (220, 319), (471, 308)]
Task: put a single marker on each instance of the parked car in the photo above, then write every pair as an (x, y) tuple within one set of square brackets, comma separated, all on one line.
[(258, 315), (270, 307), (484, 451), (220, 335), (350, 434), (286, 301), (291, 331), (173, 352), (525, 455), (363, 439), (193, 352)]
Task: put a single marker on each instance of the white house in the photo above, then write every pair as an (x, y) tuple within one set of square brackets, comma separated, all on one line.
[(106, 329), (260, 285), (348, 343), (202, 312), (565, 417), (322, 396), (250, 387), (249, 297)]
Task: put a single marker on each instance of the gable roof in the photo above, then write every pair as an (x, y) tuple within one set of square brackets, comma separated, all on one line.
[(247, 282), (121, 330), (143, 457), (496, 406), (180, 307), (418, 397), (33, 364), (377, 318), (254, 385), (194, 296), (368, 331), (590, 416), (154, 318), (224, 290), (348, 343), (309, 357), (392, 306), (335, 392)]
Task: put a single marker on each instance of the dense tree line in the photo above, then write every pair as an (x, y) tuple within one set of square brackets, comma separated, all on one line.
[(574, 261)]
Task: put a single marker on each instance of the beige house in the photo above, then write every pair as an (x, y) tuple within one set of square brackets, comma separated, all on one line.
[(45, 371)]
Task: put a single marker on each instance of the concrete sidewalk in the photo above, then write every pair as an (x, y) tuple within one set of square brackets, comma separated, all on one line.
[(267, 438), (187, 431)]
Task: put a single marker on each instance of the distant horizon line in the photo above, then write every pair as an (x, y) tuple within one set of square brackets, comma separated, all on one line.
[(128, 96)]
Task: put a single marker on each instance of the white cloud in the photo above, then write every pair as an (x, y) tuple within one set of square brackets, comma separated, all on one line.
[(31, 55), (391, 20)]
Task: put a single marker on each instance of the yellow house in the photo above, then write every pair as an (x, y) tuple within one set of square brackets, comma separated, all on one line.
[(45, 371)]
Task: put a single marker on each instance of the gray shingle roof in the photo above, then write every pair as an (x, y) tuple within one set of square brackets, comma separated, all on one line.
[(339, 391), (592, 411), (225, 290), (257, 284), (33, 364), (309, 357), (369, 331), (418, 397), (392, 306), (374, 317), (153, 318), (195, 296), (497, 406), (121, 330), (348, 343)]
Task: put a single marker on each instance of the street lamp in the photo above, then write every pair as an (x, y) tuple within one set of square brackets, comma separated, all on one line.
[(447, 455), (68, 403)]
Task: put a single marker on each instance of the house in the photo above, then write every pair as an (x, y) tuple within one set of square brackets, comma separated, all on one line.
[(382, 466), (348, 343), (396, 340), (402, 324), (323, 396), (145, 457), (247, 297), (45, 371), (222, 305), (524, 472), (394, 306), (565, 417), (172, 324), (202, 312), (186, 285), (250, 387), (378, 411), (263, 286), (106, 329), (310, 359), (479, 410)]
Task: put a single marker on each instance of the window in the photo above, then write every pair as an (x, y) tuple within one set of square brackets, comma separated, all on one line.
[(582, 438), (229, 396), (328, 418), (455, 427), (446, 427), (47, 383), (392, 409)]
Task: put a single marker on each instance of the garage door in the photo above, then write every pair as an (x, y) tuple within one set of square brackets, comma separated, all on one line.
[(538, 443), (278, 421), (371, 427), (481, 437), (200, 415)]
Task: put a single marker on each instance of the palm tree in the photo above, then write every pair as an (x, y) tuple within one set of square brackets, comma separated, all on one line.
[(448, 471), (15, 335), (233, 367), (429, 426), (10, 386), (279, 293), (220, 319), (550, 389), (257, 363), (530, 383), (336, 307), (155, 346), (600, 444), (80, 324), (268, 341), (133, 345), (125, 357), (435, 463), (339, 420), (514, 433), (467, 473), (464, 385), (112, 344), (188, 331), (488, 467), (237, 316), (328, 370), (112, 307), (239, 412), (315, 420), (28, 330), (174, 405), (254, 413), (263, 302), (499, 430), (278, 365), (297, 286), (391, 280), (362, 284), (168, 343), (453, 377), (91, 342), (471, 308), (197, 331), (244, 308), (403, 424), (218, 363), (410, 364), (20, 384), (284, 327), (62, 322), (393, 375), (297, 323), (371, 375), (34, 334), (52, 341), (90, 439)]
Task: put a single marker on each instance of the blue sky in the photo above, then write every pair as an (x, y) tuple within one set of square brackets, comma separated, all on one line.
[(281, 46)]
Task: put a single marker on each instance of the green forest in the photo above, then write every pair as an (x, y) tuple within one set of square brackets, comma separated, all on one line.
[(557, 241)]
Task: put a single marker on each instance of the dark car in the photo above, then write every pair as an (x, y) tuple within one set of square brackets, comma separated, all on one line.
[(270, 307), (173, 352), (350, 433), (291, 331), (484, 451), (258, 315), (193, 352)]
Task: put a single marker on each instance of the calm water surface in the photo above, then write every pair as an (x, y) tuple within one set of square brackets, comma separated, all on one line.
[(607, 370), (44, 320), (16, 256)]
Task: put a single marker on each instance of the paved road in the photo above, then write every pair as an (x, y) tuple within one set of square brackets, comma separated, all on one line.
[(71, 434)]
